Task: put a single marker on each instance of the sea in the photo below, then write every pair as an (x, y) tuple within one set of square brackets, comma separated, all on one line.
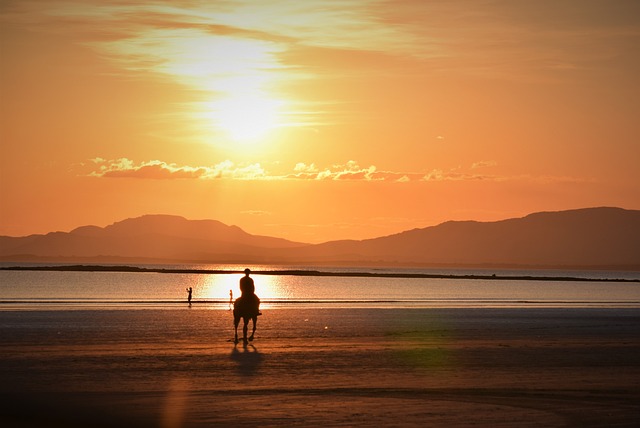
[(281, 287)]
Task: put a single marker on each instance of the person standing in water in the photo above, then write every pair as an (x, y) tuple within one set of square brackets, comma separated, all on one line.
[(189, 291)]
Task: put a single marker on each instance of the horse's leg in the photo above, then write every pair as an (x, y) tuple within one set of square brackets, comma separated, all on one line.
[(245, 328), (236, 321), (254, 321)]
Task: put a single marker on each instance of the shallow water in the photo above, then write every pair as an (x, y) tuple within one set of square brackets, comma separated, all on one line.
[(20, 289)]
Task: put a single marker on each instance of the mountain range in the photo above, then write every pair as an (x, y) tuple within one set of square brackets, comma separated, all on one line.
[(599, 238)]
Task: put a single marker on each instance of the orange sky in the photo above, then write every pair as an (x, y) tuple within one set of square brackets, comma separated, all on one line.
[(315, 120)]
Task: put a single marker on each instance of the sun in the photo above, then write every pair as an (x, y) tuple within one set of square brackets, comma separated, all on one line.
[(239, 82), (248, 117)]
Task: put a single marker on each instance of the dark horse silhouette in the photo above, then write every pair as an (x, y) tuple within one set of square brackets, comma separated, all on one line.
[(246, 307)]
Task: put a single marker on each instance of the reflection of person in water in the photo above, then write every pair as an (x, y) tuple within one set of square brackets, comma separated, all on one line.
[(247, 306), (189, 290)]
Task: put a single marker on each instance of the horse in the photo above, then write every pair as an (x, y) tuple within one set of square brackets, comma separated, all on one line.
[(246, 307)]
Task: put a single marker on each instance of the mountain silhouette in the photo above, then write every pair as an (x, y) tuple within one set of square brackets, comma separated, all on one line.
[(162, 238), (579, 238), (587, 238)]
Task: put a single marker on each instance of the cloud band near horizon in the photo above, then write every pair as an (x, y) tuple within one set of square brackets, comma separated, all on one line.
[(350, 171)]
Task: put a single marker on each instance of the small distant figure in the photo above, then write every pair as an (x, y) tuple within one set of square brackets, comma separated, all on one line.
[(247, 306), (190, 292), (230, 299)]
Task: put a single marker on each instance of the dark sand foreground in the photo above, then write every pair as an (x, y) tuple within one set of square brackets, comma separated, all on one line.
[(321, 367)]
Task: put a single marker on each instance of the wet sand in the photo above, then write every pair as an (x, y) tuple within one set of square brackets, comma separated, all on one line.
[(321, 366)]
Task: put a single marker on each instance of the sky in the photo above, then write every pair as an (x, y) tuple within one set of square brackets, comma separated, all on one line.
[(315, 120)]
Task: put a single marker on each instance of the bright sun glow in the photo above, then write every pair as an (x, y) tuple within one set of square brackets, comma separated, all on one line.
[(217, 287), (241, 81), (247, 117)]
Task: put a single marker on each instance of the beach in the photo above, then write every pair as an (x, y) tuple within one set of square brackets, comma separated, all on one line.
[(311, 365)]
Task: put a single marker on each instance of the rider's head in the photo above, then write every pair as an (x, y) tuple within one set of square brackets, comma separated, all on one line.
[(247, 271)]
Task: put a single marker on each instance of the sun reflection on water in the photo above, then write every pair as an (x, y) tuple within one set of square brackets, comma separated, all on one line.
[(218, 287)]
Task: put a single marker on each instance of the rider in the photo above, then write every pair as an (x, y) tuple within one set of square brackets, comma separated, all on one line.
[(248, 300), (247, 306)]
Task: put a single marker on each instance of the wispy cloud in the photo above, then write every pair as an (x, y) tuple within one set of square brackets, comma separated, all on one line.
[(157, 170), (185, 40), (349, 171), (354, 24), (240, 60), (458, 175), (256, 213), (236, 54), (483, 164)]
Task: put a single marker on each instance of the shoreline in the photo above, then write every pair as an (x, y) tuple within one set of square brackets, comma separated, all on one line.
[(221, 305), (322, 367), (302, 272)]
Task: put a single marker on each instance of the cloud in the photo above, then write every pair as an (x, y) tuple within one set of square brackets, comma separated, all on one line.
[(256, 213), (233, 52), (458, 175), (303, 167), (355, 24), (484, 164), (352, 171), (158, 170), (495, 38), (150, 170), (556, 179), (349, 171)]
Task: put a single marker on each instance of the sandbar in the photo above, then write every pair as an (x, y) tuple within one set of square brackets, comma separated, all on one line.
[(321, 366)]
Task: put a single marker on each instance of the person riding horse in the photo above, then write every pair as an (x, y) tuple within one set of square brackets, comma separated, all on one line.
[(247, 306)]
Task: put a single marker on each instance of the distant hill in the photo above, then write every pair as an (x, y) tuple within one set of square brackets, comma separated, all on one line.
[(584, 238), (161, 238), (591, 237)]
